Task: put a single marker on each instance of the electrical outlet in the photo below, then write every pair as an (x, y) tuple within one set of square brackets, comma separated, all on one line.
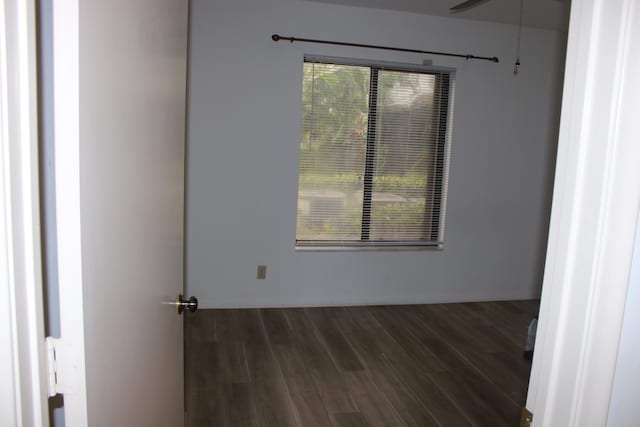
[(262, 272)]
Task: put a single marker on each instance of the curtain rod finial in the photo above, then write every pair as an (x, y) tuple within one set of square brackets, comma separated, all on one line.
[(275, 37), (495, 59)]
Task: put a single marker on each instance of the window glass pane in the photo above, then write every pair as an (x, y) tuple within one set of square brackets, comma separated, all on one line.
[(407, 125), (373, 155), (332, 152)]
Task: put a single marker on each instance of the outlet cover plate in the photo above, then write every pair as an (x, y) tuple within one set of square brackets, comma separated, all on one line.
[(262, 272)]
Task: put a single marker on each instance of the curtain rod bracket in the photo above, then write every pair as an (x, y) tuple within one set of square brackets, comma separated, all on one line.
[(277, 37)]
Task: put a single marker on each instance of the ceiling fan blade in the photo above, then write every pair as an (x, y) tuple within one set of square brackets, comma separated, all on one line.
[(465, 5)]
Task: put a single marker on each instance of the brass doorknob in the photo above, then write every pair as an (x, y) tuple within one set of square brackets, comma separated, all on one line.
[(191, 304)]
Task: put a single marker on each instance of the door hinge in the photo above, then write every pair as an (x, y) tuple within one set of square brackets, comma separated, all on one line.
[(526, 418), (60, 366)]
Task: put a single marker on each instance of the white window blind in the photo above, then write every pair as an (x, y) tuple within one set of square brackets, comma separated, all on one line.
[(374, 154)]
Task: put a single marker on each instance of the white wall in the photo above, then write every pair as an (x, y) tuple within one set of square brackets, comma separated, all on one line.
[(244, 124), (624, 410)]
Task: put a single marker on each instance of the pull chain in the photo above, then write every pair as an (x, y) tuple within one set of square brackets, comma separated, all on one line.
[(516, 66)]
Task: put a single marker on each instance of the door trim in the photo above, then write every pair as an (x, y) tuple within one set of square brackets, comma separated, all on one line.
[(66, 86), (593, 220), (22, 362)]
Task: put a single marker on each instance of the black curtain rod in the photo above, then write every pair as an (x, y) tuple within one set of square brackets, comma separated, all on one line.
[(277, 37)]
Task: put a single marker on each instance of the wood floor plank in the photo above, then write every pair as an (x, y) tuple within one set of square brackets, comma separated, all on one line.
[(370, 402), (450, 327), (269, 393), (200, 361), (416, 365), (349, 419), (423, 389), (467, 401), (493, 397), (341, 352), (241, 409), (329, 381), (276, 325), (391, 319), (373, 345), (301, 386), (229, 364), (366, 335), (410, 409), (200, 326), (465, 349), (223, 404), (308, 343)]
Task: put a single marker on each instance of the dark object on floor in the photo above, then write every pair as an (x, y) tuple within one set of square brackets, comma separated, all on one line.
[(527, 354)]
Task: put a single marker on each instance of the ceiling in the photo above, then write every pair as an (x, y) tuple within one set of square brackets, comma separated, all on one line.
[(547, 14)]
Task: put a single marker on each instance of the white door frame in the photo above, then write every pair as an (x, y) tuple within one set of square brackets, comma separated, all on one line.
[(66, 87), (23, 395), (594, 213)]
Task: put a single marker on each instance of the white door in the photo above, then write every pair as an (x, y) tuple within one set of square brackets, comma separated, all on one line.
[(119, 98)]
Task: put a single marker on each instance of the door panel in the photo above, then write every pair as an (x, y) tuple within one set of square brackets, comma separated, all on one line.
[(131, 61)]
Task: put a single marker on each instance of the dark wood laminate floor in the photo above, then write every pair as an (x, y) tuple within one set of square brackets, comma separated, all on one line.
[(416, 365)]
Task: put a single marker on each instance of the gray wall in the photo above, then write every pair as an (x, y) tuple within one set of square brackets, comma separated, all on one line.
[(244, 124)]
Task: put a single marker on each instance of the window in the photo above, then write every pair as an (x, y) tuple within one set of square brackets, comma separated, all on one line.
[(374, 151)]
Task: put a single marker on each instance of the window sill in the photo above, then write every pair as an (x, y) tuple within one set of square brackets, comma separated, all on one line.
[(435, 247)]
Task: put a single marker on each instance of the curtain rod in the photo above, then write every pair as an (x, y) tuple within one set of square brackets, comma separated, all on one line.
[(277, 37)]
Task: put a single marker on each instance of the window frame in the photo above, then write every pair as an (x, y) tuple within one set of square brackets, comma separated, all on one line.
[(443, 144)]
